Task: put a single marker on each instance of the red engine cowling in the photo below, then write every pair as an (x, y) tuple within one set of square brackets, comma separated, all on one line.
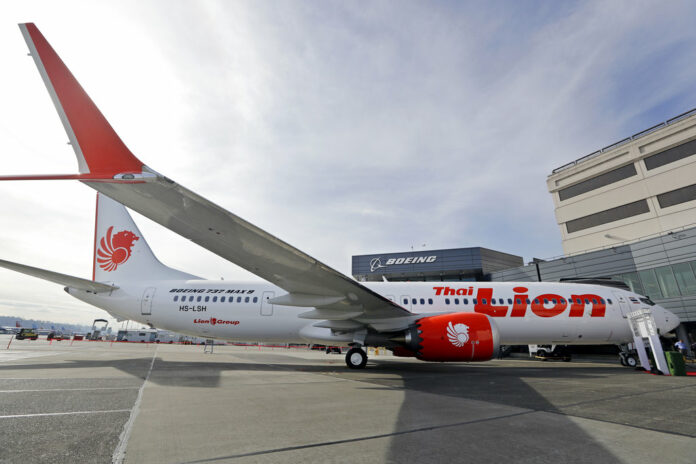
[(454, 337)]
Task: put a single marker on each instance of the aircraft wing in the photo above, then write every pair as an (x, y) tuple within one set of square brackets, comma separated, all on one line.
[(107, 165), (63, 279)]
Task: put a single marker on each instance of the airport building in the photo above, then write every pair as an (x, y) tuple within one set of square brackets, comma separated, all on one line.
[(467, 264), (642, 186), (627, 211)]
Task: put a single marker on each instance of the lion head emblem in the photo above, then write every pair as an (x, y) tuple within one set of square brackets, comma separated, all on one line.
[(458, 334), (115, 249)]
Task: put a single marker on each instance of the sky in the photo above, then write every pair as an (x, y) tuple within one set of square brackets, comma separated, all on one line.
[(343, 128)]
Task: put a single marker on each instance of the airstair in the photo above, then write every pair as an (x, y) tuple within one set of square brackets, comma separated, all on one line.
[(644, 328)]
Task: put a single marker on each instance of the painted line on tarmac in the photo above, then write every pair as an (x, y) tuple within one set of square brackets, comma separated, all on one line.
[(68, 389), (45, 414), (120, 451), (357, 439)]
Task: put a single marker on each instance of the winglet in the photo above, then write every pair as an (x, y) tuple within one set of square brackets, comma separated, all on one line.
[(99, 150)]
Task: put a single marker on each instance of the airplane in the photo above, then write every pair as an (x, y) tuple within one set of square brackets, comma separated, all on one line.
[(301, 300)]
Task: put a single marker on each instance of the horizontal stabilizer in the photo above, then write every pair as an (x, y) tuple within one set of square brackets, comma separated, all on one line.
[(70, 281)]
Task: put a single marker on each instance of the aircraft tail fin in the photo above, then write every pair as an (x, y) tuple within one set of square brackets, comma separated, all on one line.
[(121, 253)]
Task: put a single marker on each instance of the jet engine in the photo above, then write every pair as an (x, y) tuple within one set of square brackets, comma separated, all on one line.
[(451, 337)]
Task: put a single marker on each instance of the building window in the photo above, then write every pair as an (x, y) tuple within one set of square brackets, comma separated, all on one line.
[(633, 282), (670, 156), (652, 288), (601, 180), (685, 278), (678, 196), (607, 216), (668, 283)]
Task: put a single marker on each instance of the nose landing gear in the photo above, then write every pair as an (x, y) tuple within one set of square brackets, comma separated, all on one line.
[(356, 358)]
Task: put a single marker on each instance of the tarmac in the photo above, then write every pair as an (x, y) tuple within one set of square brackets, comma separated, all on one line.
[(146, 403)]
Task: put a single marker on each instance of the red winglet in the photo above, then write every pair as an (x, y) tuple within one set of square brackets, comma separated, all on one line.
[(99, 150)]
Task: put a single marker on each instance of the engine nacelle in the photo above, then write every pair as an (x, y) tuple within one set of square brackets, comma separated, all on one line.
[(453, 337)]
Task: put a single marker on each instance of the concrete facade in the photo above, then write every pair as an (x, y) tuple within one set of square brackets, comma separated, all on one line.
[(629, 191)]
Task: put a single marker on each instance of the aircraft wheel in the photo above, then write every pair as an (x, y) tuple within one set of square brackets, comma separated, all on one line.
[(622, 360), (631, 361), (356, 358)]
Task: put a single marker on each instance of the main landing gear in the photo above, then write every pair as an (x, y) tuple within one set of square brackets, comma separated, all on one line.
[(356, 358)]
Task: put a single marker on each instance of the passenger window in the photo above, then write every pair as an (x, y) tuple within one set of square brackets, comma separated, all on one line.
[(430, 301), (518, 301), (239, 299), (553, 300), (465, 301), (594, 301), (176, 298), (222, 299), (509, 301), (405, 301), (601, 300), (587, 301), (214, 299), (578, 301), (536, 300), (207, 298), (446, 301), (609, 300), (198, 299), (528, 302), (546, 301), (456, 301), (256, 299), (191, 298), (246, 300), (475, 302), (422, 301), (414, 301)]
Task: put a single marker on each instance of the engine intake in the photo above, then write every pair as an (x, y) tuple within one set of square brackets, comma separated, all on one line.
[(452, 337)]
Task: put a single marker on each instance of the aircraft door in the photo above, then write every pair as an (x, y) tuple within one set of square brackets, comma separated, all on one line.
[(266, 307), (146, 302), (623, 304)]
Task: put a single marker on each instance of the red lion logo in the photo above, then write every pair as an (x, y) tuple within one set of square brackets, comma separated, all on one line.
[(115, 250)]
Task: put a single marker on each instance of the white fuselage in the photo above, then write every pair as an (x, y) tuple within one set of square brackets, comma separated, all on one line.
[(525, 313)]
